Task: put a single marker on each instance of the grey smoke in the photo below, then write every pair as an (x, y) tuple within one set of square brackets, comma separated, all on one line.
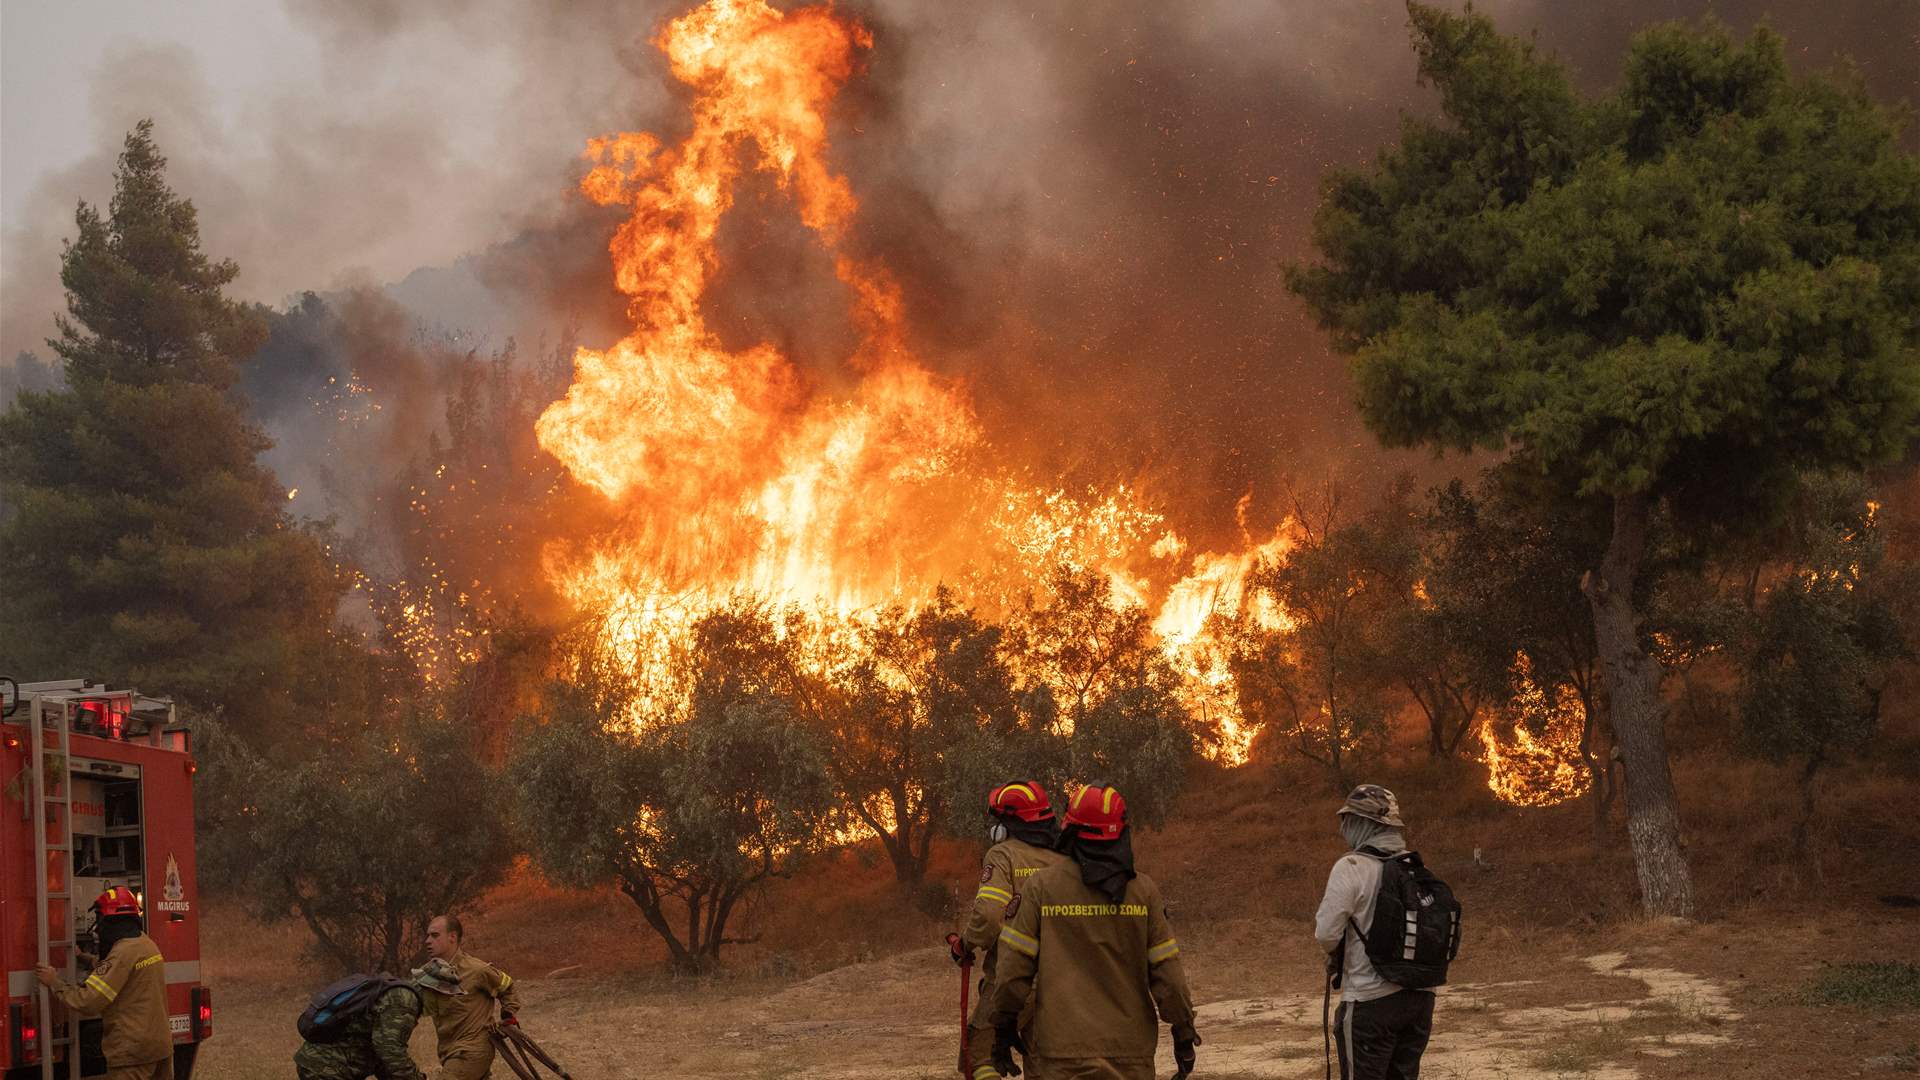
[(1089, 205)]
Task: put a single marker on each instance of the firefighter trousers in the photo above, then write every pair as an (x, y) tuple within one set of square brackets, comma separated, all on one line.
[(980, 1033), (467, 1063), (152, 1070), (1046, 1068)]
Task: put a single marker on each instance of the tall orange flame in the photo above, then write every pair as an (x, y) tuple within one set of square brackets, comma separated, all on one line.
[(734, 472)]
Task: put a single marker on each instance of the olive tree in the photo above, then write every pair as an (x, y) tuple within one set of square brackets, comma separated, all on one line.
[(363, 837), (686, 801), (1824, 639)]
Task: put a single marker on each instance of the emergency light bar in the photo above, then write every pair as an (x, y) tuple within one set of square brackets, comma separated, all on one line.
[(99, 711)]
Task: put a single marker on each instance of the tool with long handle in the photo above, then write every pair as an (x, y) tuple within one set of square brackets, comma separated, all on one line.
[(1336, 968), (522, 1054), (966, 983)]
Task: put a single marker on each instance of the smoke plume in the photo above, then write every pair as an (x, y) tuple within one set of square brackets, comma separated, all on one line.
[(1088, 206)]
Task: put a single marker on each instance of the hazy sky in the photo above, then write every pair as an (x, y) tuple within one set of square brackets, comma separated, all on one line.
[(52, 51), (322, 144)]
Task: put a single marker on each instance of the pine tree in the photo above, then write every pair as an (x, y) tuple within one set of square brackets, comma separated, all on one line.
[(143, 542), (1671, 297)]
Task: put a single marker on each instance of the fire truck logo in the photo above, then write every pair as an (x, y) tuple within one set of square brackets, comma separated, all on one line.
[(173, 895)]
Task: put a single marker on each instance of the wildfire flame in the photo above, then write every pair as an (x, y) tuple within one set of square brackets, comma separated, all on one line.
[(734, 472), (1541, 765)]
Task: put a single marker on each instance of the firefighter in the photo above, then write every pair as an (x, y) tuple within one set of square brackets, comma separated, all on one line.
[(127, 991), (1090, 941), (1022, 827), (463, 989), (373, 1043)]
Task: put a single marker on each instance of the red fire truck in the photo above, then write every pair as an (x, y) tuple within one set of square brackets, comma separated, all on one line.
[(98, 792)]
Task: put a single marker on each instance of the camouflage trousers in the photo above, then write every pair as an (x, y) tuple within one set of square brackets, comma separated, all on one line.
[(152, 1070), (335, 1061)]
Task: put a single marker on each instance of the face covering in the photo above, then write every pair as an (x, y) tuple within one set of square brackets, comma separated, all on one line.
[(114, 929), (1037, 833), (1362, 832), (1105, 865)]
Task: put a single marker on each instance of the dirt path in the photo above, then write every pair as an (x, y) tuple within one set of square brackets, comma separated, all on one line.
[(1499, 1031), (1597, 1016), (1637, 1001)]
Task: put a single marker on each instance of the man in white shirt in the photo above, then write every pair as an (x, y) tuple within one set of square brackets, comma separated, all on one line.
[(1381, 1028)]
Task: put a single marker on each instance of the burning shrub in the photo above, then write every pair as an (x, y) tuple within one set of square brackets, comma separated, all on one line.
[(1326, 670)]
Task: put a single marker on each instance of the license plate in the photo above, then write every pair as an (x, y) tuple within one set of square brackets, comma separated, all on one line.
[(181, 1025)]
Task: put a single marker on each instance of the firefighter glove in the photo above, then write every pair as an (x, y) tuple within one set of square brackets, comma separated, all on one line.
[(1184, 1040), (1005, 1041), (509, 1019), (958, 950)]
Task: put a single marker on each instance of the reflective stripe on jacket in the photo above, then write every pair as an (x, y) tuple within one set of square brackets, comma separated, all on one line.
[(461, 1022), (128, 991), (1098, 971)]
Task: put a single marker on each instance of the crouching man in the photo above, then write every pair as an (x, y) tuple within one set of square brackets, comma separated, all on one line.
[(371, 1042)]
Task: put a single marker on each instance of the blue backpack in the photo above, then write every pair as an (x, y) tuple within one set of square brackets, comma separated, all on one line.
[(328, 1014)]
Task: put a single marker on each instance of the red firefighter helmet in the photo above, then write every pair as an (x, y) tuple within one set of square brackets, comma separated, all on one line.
[(1024, 799), (118, 900), (1098, 812)]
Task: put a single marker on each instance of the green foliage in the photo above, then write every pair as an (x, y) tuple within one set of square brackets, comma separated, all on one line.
[(919, 687), (1674, 296), (686, 803), (364, 837), (1505, 561), (143, 543), (1097, 666), (1329, 670), (1826, 634), (1435, 639), (1134, 739), (1884, 984), (1699, 283)]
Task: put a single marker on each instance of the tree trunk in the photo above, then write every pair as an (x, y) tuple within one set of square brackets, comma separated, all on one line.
[(647, 899), (1600, 780), (1639, 718), (1803, 828)]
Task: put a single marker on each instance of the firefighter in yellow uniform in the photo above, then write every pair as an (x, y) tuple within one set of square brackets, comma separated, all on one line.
[(1089, 940), (1022, 828), (127, 991), (463, 990)]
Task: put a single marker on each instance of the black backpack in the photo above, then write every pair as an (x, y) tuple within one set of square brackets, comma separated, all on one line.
[(1416, 923), (333, 1008)]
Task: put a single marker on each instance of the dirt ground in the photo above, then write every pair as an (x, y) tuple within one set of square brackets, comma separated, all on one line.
[(1558, 977), (1642, 1000)]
